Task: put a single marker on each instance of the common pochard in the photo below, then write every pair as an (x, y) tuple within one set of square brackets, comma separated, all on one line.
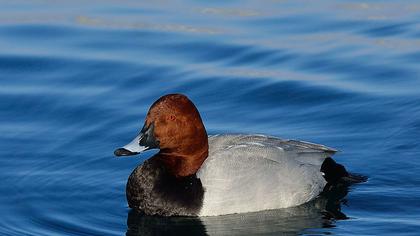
[(194, 174)]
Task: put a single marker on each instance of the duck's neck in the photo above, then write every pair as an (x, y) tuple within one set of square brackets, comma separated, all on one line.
[(183, 162)]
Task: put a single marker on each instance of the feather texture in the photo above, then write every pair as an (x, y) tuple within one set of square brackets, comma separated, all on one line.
[(245, 173)]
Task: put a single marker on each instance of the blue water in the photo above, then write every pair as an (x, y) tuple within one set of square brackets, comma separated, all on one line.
[(77, 78)]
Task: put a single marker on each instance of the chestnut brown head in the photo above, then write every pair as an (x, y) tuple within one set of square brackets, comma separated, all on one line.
[(173, 124)]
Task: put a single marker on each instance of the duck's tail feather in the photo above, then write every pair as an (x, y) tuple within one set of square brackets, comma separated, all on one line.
[(335, 173), (354, 178)]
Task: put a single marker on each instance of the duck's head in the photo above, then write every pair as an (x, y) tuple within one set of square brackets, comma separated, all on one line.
[(173, 125)]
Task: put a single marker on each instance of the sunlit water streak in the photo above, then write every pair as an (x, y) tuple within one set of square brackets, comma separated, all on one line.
[(77, 78)]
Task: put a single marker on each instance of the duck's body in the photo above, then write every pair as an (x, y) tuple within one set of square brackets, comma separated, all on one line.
[(245, 173), (196, 175), (242, 173)]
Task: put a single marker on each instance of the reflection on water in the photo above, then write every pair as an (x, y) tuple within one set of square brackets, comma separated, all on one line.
[(138, 224), (320, 213)]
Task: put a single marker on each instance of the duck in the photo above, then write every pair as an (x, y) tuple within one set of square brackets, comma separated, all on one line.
[(194, 174)]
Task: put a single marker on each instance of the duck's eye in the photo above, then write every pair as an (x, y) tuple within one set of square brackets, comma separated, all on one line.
[(172, 117)]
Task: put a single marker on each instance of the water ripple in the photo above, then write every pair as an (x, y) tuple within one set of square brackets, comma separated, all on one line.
[(77, 80)]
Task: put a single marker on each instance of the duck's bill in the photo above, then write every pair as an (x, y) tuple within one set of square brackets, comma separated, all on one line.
[(133, 148), (144, 141)]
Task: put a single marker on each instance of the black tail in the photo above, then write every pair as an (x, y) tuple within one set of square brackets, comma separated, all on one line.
[(337, 187), (353, 178), (335, 173)]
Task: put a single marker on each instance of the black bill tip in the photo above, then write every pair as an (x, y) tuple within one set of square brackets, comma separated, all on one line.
[(123, 152)]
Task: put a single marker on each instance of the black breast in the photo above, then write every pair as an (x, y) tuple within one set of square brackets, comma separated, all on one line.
[(154, 191)]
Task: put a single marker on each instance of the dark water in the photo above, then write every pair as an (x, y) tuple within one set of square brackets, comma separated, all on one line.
[(77, 78)]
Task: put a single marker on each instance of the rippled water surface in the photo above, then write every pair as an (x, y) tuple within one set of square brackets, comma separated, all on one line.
[(77, 78)]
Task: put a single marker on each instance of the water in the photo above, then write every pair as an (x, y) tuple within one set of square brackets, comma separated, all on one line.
[(77, 78)]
